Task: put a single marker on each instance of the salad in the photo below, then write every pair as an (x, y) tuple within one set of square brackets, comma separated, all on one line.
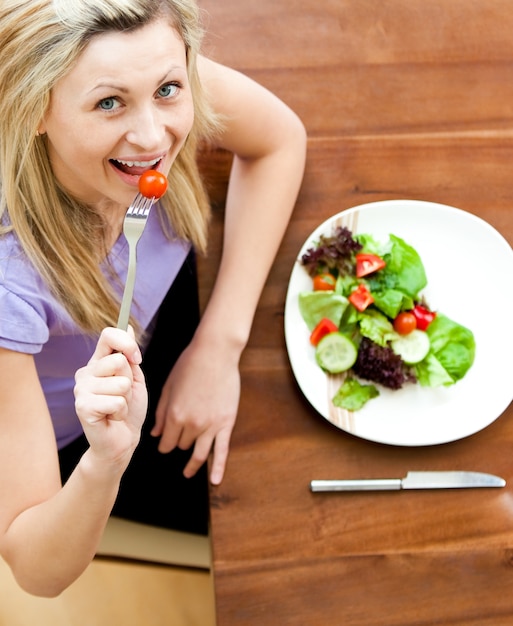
[(368, 319)]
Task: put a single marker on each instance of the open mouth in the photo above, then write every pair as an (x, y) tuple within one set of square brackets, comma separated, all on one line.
[(135, 168)]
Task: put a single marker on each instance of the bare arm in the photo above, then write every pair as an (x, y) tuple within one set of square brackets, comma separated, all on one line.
[(49, 533), (269, 145)]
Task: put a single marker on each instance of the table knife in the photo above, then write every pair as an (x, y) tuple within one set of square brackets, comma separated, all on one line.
[(413, 480)]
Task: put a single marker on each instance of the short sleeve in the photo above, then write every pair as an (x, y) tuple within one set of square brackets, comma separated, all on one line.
[(22, 328)]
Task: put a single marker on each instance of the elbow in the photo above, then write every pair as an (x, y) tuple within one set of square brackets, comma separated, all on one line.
[(38, 585), (43, 592), (36, 582)]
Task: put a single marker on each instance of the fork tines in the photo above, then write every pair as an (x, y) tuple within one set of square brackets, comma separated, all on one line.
[(140, 206)]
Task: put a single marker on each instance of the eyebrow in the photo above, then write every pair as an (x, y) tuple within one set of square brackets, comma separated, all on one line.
[(109, 85)]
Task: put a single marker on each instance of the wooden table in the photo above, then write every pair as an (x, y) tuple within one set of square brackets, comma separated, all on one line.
[(401, 99)]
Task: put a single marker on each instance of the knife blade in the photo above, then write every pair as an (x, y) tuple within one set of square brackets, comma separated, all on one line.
[(413, 480)]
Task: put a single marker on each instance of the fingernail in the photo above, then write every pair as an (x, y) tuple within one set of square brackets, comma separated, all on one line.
[(215, 479), (137, 357)]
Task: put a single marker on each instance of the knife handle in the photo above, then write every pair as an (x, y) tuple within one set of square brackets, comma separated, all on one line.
[(367, 484)]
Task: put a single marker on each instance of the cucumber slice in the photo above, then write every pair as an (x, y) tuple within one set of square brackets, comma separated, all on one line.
[(335, 353), (413, 347)]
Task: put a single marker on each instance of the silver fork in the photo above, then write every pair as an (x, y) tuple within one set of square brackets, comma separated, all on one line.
[(133, 226)]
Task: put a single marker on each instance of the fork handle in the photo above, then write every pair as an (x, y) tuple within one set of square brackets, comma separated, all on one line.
[(124, 312)]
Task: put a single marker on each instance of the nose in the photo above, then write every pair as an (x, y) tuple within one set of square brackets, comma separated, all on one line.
[(146, 129)]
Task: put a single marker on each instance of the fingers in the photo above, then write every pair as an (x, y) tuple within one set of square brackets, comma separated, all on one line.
[(107, 371), (201, 451), (103, 388), (158, 428), (96, 407), (182, 436), (117, 340), (199, 456), (221, 449)]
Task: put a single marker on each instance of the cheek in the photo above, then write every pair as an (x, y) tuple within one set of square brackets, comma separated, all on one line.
[(76, 159), (74, 134), (79, 146), (68, 153)]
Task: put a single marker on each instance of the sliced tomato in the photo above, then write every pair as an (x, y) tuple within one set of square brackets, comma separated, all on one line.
[(361, 298), (368, 263), (324, 282), (423, 316), (405, 323), (323, 328)]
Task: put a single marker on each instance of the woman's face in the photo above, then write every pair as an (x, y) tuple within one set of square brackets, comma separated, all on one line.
[(124, 108)]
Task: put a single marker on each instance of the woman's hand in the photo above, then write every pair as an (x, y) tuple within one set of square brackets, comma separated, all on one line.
[(198, 405), (111, 397)]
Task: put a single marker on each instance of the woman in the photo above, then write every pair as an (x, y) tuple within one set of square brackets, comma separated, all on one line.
[(93, 93)]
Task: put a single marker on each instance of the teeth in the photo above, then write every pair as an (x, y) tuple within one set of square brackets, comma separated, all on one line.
[(138, 163)]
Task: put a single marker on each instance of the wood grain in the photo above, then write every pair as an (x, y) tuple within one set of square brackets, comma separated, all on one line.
[(401, 99), (115, 592)]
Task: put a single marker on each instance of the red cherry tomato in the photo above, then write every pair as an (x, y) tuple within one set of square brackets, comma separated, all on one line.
[(323, 328), (324, 282), (368, 263), (152, 184), (405, 323), (361, 298)]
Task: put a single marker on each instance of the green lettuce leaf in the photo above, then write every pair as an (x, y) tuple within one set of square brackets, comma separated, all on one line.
[(453, 345), (404, 268), (314, 305), (391, 302), (345, 284), (352, 395), (376, 327), (372, 245), (431, 373)]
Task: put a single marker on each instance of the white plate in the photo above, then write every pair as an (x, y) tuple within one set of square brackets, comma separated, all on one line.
[(469, 268)]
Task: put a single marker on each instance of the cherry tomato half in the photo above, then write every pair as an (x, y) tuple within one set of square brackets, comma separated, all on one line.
[(324, 282), (323, 328), (405, 323), (361, 298), (152, 184), (423, 316), (368, 263)]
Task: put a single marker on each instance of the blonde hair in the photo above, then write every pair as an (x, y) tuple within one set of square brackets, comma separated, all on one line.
[(40, 40)]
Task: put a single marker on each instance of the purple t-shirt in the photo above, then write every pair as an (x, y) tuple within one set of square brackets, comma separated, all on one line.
[(34, 322)]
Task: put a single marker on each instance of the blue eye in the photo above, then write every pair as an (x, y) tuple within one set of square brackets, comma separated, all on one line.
[(166, 91), (107, 104)]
